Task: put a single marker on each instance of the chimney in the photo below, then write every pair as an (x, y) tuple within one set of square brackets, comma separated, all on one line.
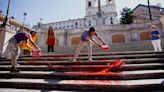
[(1, 12)]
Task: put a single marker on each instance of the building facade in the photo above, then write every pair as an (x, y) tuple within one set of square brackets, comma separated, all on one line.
[(110, 34), (1, 15), (108, 11), (141, 13)]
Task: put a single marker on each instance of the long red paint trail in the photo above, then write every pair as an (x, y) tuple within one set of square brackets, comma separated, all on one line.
[(115, 64)]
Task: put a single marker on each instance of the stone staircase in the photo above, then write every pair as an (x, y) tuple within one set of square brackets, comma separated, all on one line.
[(142, 72)]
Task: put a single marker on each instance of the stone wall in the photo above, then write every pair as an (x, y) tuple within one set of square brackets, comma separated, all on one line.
[(5, 35)]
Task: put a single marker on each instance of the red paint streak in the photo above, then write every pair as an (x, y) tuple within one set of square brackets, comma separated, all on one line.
[(93, 73), (102, 68), (116, 64), (105, 72), (77, 63), (100, 71), (83, 67), (50, 66), (31, 62), (61, 55)]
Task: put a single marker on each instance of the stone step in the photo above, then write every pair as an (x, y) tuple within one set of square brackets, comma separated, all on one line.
[(99, 75), (49, 90), (142, 72), (94, 57), (86, 85), (93, 68), (101, 54), (28, 90), (95, 62)]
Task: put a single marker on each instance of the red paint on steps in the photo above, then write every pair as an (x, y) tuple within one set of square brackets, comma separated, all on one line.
[(100, 73), (105, 72), (116, 64)]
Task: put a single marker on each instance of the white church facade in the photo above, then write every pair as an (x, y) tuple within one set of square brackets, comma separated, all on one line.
[(108, 11)]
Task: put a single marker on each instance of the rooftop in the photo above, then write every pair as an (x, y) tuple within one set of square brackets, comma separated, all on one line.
[(146, 6)]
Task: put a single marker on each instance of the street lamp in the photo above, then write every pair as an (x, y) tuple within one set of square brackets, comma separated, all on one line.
[(111, 20), (6, 17), (41, 20), (84, 22), (24, 18), (150, 15), (161, 10), (1, 12), (40, 23), (89, 23)]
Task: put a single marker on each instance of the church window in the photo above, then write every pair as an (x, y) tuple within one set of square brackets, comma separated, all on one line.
[(89, 4), (110, 1), (76, 23)]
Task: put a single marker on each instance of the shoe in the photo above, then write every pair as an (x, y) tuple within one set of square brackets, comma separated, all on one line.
[(90, 60), (73, 60), (17, 64), (14, 70), (11, 70)]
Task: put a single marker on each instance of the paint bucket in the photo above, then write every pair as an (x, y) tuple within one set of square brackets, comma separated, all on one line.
[(36, 53), (105, 47)]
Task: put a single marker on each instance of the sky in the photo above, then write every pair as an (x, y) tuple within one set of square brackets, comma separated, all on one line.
[(59, 10)]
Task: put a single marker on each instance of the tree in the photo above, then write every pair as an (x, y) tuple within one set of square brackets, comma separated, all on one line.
[(126, 16)]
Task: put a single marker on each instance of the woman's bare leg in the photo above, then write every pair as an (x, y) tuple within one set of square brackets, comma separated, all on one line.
[(78, 51)]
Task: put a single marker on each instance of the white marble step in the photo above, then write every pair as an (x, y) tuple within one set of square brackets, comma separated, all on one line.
[(88, 82)]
